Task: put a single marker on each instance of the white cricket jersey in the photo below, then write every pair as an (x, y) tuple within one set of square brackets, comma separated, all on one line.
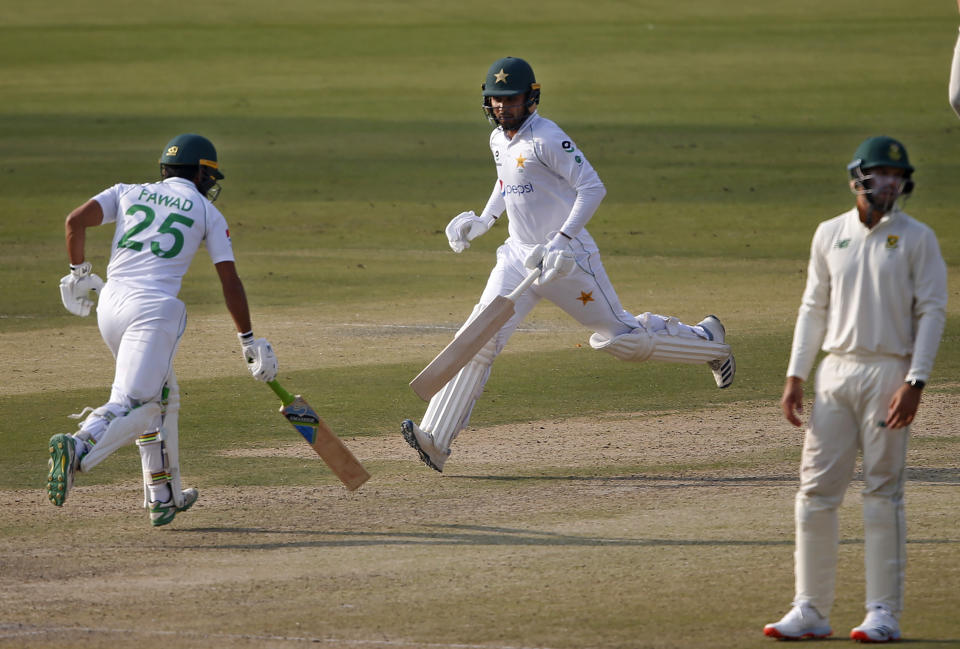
[(160, 227), (545, 184), (872, 292)]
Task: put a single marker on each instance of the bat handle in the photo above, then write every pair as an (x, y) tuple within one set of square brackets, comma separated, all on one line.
[(525, 284), (285, 396)]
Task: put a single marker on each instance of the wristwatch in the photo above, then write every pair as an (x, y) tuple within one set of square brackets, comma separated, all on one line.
[(917, 383)]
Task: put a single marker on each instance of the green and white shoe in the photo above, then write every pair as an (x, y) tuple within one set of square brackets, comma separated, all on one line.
[(163, 513), (63, 465)]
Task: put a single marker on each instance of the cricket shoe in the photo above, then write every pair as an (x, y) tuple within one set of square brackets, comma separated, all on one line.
[(163, 513), (432, 456), (880, 625), (63, 465), (723, 369), (801, 622)]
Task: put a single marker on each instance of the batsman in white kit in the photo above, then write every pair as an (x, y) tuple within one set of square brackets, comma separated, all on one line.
[(159, 228), (875, 301), (549, 191)]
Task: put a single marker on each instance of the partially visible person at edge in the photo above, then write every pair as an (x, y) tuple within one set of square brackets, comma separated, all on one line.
[(954, 87)]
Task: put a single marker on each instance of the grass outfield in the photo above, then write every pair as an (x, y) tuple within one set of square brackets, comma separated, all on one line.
[(591, 503)]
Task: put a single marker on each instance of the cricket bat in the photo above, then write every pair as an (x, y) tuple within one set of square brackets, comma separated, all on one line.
[(469, 341), (323, 440)]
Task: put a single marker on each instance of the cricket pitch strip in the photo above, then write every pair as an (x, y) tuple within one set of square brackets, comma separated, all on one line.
[(652, 529)]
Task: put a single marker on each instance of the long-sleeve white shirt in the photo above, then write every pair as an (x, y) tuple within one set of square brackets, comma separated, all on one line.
[(544, 182), (955, 79), (880, 291)]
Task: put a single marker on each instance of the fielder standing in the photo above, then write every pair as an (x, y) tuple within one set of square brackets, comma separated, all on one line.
[(159, 228), (549, 191), (875, 301)]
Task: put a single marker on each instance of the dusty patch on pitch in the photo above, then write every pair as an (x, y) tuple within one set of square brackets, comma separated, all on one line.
[(547, 507), (733, 437)]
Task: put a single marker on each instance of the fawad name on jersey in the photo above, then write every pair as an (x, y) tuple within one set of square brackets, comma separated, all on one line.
[(167, 201)]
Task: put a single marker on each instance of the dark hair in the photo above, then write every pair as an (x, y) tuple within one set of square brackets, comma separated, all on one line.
[(179, 171)]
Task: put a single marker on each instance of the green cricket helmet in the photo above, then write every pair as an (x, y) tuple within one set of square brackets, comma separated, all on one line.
[(874, 152), (881, 151), (508, 77), (191, 150)]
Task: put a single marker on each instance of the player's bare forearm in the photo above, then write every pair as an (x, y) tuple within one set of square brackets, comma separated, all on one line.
[(234, 296), (88, 215)]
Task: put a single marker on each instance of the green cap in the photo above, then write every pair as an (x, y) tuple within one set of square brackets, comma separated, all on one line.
[(191, 149)]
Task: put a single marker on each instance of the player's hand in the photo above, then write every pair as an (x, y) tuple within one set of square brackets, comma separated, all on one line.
[(558, 259), (792, 400), (535, 257), (261, 361), (903, 407), (465, 227), (75, 289)]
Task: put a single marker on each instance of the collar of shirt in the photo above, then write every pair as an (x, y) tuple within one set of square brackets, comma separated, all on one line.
[(523, 127), (889, 217), (178, 180)]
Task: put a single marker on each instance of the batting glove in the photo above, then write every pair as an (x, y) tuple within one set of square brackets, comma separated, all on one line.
[(465, 227), (535, 257), (75, 288), (261, 361), (558, 259)]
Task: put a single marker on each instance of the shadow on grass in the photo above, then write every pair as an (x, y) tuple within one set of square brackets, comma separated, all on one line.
[(470, 535)]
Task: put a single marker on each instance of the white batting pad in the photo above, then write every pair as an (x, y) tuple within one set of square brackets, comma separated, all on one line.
[(120, 432), (153, 465), (449, 410), (683, 349), (170, 436), (638, 345)]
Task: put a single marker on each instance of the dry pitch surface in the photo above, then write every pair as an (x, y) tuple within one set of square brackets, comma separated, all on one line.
[(539, 535), (638, 530)]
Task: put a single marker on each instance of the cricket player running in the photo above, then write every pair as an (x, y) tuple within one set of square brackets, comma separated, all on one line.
[(549, 191), (159, 228), (875, 301)]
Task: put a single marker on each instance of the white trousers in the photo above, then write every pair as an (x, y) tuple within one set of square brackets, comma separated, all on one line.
[(586, 295), (142, 330), (851, 401)]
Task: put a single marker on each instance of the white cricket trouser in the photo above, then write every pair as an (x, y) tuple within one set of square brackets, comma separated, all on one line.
[(852, 398), (586, 294), (142, 330)]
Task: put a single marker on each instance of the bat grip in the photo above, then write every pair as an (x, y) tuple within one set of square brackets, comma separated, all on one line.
[(285, 396), (525, 284)]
